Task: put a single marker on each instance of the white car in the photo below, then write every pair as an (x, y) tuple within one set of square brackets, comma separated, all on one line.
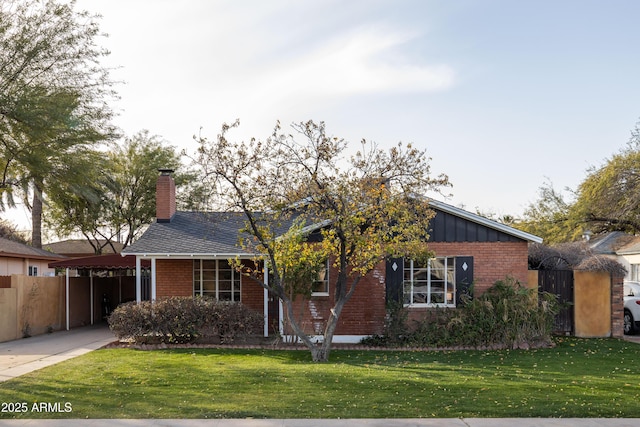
[(631, 307)]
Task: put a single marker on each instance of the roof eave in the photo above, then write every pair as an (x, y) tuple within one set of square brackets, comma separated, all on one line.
[(191, 255), (32, 256)]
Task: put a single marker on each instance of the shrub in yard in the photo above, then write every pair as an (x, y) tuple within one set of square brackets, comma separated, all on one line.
[(506, 315), (182, 320)]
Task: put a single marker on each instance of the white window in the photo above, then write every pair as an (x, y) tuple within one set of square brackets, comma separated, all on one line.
[(33, 270), (635, 272), (216, 279), (320, 286), (432, 284)]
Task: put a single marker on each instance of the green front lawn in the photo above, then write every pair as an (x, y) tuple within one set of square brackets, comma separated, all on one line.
[(578, 378)]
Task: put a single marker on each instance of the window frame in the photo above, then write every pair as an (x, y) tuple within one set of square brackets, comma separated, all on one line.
[(199, 280), (448, 288), (33, 271), (324, 293)]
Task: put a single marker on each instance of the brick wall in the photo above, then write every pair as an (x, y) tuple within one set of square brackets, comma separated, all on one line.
[(363, 314), (617, 306), (174, 277), (252, 294), (492, 261)]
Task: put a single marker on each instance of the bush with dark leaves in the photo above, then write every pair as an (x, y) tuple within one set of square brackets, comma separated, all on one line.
[(183, 320)]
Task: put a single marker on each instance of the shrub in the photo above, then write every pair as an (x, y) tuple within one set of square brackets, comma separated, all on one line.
[(183, 320), (506, 315)]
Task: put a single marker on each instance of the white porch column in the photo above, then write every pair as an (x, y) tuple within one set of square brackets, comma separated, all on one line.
[(91, 294), (153, 279), (138, 281), (66, 285), (266, 303)]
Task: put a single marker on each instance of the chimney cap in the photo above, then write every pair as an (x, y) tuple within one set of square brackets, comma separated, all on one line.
[(165, 171)]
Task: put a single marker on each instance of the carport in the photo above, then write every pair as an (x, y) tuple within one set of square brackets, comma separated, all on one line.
[(109, 279)]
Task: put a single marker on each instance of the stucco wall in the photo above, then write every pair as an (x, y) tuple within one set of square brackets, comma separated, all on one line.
[(592, 304), (11, 265), (39, 303), (32, 306), (8, 314)]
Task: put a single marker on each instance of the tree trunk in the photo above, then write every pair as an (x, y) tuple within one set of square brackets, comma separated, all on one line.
[(36, 218), (320, 353)]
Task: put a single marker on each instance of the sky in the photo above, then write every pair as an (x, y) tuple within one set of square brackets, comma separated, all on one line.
[(503, 95)]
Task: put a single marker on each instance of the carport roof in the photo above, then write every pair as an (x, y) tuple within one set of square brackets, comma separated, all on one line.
[(101, 262)]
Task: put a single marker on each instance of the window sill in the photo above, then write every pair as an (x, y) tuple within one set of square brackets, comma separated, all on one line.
[(319, 294), (429, 306)]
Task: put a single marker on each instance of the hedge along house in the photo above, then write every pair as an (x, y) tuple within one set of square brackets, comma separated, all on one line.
[(189, 254)]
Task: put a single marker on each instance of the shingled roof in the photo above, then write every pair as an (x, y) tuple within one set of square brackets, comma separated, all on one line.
[(195, 233), (9, 248), (80, 247)]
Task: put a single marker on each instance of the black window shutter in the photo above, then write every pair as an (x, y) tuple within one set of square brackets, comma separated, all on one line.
[(395, 276), (464, 277)]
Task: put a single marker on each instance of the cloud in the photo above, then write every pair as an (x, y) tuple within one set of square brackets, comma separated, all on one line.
[(362, 61)]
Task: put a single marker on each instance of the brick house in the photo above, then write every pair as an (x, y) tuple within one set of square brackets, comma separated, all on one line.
[(189, 254)]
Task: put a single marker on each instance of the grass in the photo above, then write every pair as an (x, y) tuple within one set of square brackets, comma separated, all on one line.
[(578, 378)]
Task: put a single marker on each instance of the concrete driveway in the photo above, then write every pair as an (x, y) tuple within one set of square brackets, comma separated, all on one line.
[(29, 354)]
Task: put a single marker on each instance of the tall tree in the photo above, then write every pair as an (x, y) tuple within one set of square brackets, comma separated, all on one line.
[(132, 185), (551, 217), (119, 198), (9, 231), (609, 197), (371, 208), (53, 96)]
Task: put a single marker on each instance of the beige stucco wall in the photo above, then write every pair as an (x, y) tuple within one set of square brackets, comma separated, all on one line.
[(11, 265), (592, 304), (8, 318), (32, 306)]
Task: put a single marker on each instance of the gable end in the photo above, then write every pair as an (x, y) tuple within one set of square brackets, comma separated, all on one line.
[(446, 227)]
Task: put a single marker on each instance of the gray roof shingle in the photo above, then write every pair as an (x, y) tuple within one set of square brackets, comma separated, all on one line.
[(195, 233), (10, 248)]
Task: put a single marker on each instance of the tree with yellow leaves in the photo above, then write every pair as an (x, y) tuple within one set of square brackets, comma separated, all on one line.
[(355, 212)]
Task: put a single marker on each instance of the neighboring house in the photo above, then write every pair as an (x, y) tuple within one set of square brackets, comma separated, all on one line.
[(18, 258), (78, 248), (623, 247), (189, 252), (629, 257)]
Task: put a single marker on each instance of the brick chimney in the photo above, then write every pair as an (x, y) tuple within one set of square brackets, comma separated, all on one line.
[(165, 196)]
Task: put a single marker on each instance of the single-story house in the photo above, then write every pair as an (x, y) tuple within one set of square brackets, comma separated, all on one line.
[(18, 258), (189, 254), (622, 247)]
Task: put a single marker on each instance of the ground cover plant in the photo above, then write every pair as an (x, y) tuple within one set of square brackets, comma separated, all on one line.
[(577, 378)]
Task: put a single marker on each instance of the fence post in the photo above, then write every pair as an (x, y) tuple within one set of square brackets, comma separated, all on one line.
[(617, 306)]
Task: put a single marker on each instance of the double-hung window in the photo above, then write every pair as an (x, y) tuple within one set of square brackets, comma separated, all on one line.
[(216, 278), (430, 284)]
